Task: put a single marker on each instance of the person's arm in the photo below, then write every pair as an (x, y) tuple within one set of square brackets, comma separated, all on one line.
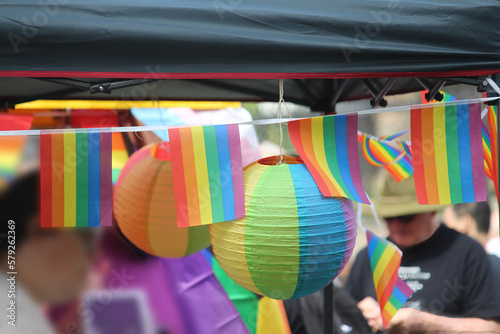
[(410, 321)]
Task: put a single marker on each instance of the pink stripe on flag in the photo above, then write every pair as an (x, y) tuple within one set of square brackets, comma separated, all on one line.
[(106, 182), (352, 151), (233, 135), (476, 143)]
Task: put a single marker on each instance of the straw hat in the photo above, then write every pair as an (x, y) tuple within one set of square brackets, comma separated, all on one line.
[(398, 198)]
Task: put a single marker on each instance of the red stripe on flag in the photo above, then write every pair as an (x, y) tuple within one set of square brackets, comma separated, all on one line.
[(429, 155), (417, 152), (181, 207), (300, 143)]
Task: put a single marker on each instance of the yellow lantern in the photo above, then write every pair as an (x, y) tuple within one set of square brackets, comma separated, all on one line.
[(293, 241), (144, 206)]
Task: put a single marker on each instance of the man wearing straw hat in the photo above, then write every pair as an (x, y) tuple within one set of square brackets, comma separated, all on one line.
[(449, 272)]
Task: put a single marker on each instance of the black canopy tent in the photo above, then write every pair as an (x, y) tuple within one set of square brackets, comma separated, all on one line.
[(207, 50), (329, 51)]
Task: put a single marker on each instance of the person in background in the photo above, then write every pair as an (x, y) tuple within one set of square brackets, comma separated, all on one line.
[(493, 243), (449, 272), (473, 219), (51, 263)]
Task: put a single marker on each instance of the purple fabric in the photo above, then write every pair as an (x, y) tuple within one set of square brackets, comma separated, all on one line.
[(129, 271), (202, 301)]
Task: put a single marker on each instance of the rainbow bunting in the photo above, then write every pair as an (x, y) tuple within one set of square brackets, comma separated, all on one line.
[(329, 149), (11, 148), (490, 148), (392, 291), (75, 173), (447, 154), (208, 174), (381, 153)]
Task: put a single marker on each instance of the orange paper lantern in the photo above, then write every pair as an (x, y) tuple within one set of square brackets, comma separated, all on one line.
[(144, 206)]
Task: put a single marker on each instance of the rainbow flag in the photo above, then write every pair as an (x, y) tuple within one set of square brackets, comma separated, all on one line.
[(381, 153), (11, 148), (75, 174), (329, 148), (447, 154), (208, 174), (490, 147), (385, 260)]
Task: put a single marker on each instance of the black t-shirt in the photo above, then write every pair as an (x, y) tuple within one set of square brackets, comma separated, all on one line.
[(449, 273)]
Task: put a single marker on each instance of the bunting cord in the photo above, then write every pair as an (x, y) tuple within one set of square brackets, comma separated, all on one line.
[(281, 101), (255, 122)]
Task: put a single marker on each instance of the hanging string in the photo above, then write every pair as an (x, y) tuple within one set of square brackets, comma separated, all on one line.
[(359, 216), (256, 122), (281, 102)]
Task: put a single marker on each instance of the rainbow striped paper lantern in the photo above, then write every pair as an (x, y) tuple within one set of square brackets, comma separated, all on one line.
[(144, 206), (292, 241)]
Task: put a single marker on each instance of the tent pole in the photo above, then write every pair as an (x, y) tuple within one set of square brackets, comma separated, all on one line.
[(328, 309)]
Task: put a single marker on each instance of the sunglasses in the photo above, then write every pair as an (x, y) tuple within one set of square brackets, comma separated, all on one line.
[(402, 219)]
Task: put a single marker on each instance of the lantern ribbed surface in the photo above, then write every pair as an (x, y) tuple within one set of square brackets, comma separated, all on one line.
[(293, 241), (144, 206)]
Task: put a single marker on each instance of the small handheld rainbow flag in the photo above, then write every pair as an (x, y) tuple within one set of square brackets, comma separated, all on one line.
[(329, 149), (208, 174), (490, 148), (392, 291), (75, 179), (447, 154), (381, 153)]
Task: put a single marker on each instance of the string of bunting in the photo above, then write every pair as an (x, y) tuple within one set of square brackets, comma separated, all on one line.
[(447, 167)]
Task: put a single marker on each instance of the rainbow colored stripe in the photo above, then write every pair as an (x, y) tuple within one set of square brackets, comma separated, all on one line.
[(382, 154), (329, 148), (385, 260), (447, 154), (490, 147), (119, 155), (75, 173), (11, 148), (208, 174)]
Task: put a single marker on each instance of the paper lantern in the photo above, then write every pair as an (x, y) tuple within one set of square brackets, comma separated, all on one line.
[(293, 241), (144, 206)]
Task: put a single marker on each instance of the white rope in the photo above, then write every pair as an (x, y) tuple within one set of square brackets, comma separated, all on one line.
[(375, 216), (359, 216), (256, 122), (281, 101)]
